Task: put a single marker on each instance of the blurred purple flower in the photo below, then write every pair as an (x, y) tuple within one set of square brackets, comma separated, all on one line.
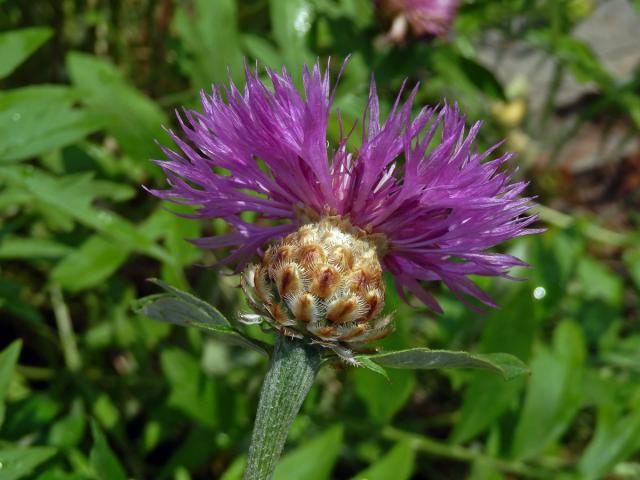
[(419, 183), (423, 17)]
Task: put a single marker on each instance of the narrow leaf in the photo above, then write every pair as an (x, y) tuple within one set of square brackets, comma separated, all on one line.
[(104, 462), (27, 248), (183, 309), (425, 359), (130, 116), (18, 45), (89, 265), (73, 195), (312, 461), (8, 361), (369, 364), (18, 462), (209, 34), (397, 464), (213, 314), (38, 119)]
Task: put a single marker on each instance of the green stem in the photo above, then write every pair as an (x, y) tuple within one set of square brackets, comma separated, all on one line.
[(457, 452), (65, 329), (292, 369)]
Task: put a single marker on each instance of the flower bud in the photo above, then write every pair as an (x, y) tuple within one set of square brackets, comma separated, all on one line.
[(324, 282)]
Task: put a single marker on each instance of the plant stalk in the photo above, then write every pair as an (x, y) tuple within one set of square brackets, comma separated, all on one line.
[(292, 370)]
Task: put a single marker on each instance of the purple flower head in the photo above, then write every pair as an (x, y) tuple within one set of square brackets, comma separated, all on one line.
[(417, 182), (423, 17)]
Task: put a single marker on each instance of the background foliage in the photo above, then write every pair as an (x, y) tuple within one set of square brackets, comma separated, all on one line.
[(91, 390)]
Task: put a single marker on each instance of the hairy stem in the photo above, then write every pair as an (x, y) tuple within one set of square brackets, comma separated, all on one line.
[(292, 369)]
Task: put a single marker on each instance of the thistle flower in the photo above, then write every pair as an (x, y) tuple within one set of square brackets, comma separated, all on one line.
[(423, 17), (416, 199)]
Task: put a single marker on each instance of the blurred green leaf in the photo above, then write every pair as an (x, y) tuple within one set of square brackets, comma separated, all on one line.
[(209, 31), (131, 117), (465, 78), (632, 262), (313, 460), (55, 474), (616, 437), (383, 397), (597, 281), (37, 119), (236, 469), (554, 393), (397, 464), (510, 329), (37, 411), (191, 392), (89, 265), (73, 195), (194, 451), (18, 45), (8, 361), (30, 248), (18, 462), (291, 21), (262, 50), (576, 54), (104, 462), (425, 359), (68, 431)]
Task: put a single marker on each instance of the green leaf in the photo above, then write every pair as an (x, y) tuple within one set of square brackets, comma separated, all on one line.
[(209, 33), (236, 469), (291, 21), (262, 50), (29, 248), (73, 195), (68, 431), (38, 119), (632, 262), (131, 117), (615, 439), (57, 474), (18, 45), (425, 359), (369, 364), (8, 361), (18, 462), (213, 314), (34, 413), (597, 281), (314, 460), (512, 330), (191, 392), (182, 308), (554, 394), (88, 266), (383, 397), (397, 464), (483, 79), (60, 475), (104, 462)]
